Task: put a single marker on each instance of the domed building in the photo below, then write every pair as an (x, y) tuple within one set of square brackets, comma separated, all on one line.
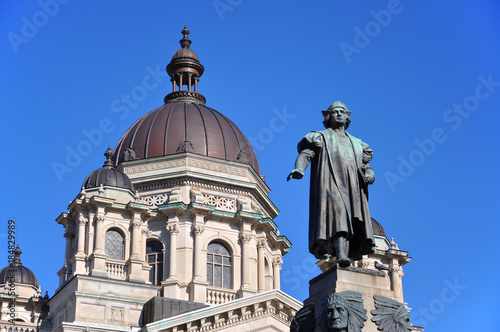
[(21, 302), (177, 219)]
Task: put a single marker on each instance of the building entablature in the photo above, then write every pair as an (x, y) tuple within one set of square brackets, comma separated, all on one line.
[(212, 173)]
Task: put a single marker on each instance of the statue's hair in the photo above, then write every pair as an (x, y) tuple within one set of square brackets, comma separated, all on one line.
[(352, 302), (326, 121), (390, 315)]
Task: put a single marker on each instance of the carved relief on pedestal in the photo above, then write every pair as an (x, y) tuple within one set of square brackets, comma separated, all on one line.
[(117, 314), (390, 315)]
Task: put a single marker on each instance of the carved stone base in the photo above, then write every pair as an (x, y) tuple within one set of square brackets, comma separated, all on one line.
[(357, 279)]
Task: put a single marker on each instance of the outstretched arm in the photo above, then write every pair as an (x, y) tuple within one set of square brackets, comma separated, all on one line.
[(303, 160)]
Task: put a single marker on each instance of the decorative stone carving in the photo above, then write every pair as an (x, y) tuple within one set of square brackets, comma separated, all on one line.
[(241, 157), (277, 261), (304, 320), (342, 312), (130, 154), (117, 314), (154, 200), (173, 229), (99, 219), (245, 238), (390, 315), (197, 230), (135, 224), (261, 244), (221, 203), (186, 146)]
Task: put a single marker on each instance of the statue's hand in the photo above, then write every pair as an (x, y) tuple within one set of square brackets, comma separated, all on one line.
[(295, 174), (370, 178)]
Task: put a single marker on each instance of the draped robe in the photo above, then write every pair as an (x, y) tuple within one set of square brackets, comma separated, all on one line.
[(338, 200)]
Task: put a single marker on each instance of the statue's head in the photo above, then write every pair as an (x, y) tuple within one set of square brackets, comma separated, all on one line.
[(342, 312), (336, 114), (337, 313)]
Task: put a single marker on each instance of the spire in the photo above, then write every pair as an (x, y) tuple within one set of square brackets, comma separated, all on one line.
[(185, 71), (185, 42), (108, 154), (17, 252)]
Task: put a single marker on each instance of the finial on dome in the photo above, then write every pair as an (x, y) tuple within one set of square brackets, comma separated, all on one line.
[(109, 155), (17, 253), (185, 42)]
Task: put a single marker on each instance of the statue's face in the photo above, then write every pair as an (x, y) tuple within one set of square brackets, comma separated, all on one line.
[(338, 117), (336, 317)]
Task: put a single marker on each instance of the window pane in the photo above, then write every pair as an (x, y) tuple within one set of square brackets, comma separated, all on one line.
[(210, 258), (159, 274), (217, 248), (151, 258), (218, 259), (227, 260), (152, 275), (217, 276), (114, 244), (153, 246), (210, 274), (227, 277)]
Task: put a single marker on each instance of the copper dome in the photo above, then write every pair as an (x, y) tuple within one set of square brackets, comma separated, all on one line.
[(17, 273), (108, 175), (378, 229), (163, 130)]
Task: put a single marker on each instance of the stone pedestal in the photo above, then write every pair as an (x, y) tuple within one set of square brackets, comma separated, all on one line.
[(365, 281)]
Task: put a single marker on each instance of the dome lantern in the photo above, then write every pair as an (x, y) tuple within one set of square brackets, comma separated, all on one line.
[(185, 71)]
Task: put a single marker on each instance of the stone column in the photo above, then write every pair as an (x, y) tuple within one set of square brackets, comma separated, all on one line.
[(82, 222), (98, 267), (99, 236), (397, 285), (78, 260), (136, 238), (134, 262), (245, 247), (198, 286), (69, 238), (261, 245), (173, 230), (144, 233), (276, 272), (197, 233)]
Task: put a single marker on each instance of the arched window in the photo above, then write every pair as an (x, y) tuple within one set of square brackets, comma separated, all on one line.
[(154, 255), (218, 265), (114, 245)]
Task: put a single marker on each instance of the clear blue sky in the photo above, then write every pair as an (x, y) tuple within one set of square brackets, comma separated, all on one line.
[(421, 78)]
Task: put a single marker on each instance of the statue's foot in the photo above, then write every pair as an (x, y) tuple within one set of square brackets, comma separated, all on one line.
[(344, 262)]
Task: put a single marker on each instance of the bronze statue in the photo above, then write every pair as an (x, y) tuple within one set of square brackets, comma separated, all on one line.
[(339, 219), (342, 312)]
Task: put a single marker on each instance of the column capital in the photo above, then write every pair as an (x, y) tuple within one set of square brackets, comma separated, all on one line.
[(278, 261), (261, 244), (245, 238), (173, 229), (99, 218), (135, 224), (197, 230)]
